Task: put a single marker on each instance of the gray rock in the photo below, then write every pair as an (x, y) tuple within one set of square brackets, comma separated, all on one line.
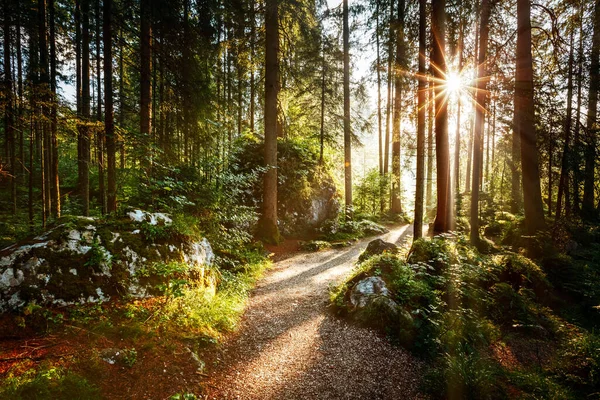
[(83, 261), (365, 290)]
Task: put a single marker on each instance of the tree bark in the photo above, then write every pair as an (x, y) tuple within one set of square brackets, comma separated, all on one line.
[(268, 229), (54, 179), (587, 206), (396, 132), (347, 127), (109, 126), (9, 130), (441, 223), (481, 99), (563, 189), (524, 121), (421, 100), (146, 76)]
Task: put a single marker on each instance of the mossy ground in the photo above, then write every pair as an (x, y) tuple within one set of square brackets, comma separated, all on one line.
[(57, 353)]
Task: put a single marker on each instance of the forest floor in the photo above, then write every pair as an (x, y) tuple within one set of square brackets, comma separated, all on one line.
[(289, 346)]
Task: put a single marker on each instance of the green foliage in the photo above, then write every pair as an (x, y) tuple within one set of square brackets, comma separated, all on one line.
[(183, 396), (52, 383), (372, 194)]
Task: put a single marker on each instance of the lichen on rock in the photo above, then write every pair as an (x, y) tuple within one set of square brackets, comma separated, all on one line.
[(83, 260)]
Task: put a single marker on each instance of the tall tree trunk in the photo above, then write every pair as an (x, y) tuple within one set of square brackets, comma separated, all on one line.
[(268, 229), (379, 116), (9, 130), (111, 205), (322, 118), (396, 133), (252, 61), (470, 149), (587, 206), (421, 100), (563, 188), (438, 59), (45, 99), (484, 30), (54, 179), (100, 136), (461, 40), (524, 121), (386, 151), (146, 76), (429, 178), (576, 139), (347, 127), (84, 130)]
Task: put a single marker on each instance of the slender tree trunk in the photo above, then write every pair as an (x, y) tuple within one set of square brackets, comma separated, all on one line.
[(146, 76), (268, 229), (421, 99), (386, 156), (55, 182), (484, 31), (563, 188), (458, 109), (438, 59), (470, 149), (100, 137), (429, 178), (84, 131), (396, 129), (347, 127), (109, 126), (322, 119), (576, 139), (379, 116), (45, 90), (252, 61), (9, 130), (524, 121), (587, 207)]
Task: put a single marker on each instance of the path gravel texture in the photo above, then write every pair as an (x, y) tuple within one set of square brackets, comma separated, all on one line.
[(289, 346)]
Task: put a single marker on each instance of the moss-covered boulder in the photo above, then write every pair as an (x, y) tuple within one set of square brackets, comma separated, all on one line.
[(83, 260)]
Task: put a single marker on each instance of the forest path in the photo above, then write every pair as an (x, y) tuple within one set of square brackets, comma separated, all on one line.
[(290, 347)]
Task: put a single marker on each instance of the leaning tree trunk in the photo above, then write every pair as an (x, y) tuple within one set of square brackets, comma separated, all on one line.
[(524, 121), (146, 75)]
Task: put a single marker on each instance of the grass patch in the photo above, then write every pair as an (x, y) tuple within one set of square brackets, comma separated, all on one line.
[(48, 383)]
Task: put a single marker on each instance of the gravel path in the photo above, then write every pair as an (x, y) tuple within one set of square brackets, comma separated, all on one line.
[(289, 346)]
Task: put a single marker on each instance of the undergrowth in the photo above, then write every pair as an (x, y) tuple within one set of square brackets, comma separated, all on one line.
[(463, 311)]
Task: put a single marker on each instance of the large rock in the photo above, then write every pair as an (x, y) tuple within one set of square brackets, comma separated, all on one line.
[(366, 289), (377, 247), (84, 260)]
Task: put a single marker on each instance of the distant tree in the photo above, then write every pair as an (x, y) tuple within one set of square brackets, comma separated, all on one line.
[(109, 125)]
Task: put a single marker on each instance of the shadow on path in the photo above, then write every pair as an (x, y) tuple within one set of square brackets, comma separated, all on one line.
[(289, 347)]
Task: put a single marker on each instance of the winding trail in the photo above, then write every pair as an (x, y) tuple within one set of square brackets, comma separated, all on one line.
[(290, 347)]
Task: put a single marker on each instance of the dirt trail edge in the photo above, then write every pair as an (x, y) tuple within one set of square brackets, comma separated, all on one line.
[(290, 347)]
